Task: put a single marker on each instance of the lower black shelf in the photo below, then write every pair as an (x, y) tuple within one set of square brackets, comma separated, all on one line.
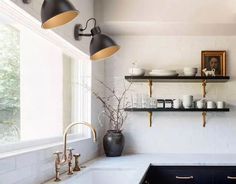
[(176, 110)]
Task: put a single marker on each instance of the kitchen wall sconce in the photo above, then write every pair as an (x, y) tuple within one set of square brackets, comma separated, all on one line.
[(101, 45), (55, 13)]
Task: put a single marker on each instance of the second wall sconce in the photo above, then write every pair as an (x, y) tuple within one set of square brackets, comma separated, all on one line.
[(101, 45)]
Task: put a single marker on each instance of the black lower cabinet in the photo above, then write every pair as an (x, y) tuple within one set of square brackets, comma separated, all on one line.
[(226, 175), (190, 175)]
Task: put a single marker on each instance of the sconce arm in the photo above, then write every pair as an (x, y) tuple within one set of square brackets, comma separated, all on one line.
[(78, 29), (95, 22)]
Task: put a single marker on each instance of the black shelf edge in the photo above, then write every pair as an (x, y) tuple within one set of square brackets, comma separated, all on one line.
[(177, 78), (175, 110)]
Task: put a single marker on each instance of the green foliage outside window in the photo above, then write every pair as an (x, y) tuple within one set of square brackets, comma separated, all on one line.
[(9, 84)]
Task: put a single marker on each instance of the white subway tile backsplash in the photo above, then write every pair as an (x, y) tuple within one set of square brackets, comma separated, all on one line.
[(37, 167), (16, 176), (27, 159), (7, 165)]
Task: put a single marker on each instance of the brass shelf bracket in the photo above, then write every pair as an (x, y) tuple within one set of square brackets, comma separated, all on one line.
[(204, 119), (150, 118), (150, 87), (204, 82), (150, 95)]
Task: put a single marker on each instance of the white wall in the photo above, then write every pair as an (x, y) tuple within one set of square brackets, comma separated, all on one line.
[(167, 17), (178, 132)]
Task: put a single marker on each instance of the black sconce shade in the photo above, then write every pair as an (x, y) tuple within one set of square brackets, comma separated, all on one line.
[(101, 46), (55, 13)]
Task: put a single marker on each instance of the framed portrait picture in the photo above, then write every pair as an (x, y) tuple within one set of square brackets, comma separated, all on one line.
[(214, 60)]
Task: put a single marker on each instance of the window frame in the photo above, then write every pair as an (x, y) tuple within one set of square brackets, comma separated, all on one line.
[(15, 13)]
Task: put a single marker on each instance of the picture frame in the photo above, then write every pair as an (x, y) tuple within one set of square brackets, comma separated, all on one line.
[(214, 60)]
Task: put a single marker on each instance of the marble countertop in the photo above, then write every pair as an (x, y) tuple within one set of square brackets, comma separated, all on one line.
[(140, 163)]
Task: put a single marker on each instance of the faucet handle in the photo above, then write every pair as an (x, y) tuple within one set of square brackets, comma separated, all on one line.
[(57, 153), (70, 150), (76, 168)]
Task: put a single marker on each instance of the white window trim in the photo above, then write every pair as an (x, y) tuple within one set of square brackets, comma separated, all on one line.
[(22, 17), (35, 145)]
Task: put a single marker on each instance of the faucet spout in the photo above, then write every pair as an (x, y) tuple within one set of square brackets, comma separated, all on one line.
[(66, 133)]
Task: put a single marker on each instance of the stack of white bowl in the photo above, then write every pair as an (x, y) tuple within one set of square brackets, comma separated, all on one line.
[(163, 72), (136, 71), (189, 71)]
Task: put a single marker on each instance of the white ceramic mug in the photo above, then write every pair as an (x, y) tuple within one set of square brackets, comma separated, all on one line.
[(211, 105), (187, 101), (200, 104), (177, 103), (220, 104), (153, 102)]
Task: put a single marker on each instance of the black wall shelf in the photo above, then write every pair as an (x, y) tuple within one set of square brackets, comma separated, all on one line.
[(177, 79), (175, 110), (170, 79)]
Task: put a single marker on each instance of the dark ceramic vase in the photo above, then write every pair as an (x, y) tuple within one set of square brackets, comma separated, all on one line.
[(113, 143)]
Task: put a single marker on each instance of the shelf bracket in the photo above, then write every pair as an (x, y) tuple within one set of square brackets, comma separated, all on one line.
[(150, 118), (204, 88), (150, 95), (204, 119), (150, 87)]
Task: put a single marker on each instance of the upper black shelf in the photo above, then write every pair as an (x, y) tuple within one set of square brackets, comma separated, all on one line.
[(176, 110), (177, 79)]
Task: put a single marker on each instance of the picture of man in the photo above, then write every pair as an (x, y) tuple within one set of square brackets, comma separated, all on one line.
[(213, 62)]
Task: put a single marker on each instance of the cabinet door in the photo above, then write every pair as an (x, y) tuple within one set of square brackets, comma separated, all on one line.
[(193, 176), (225, 176), (178, 175)]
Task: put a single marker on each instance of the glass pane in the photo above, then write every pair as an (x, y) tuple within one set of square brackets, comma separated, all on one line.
[(9, 84)]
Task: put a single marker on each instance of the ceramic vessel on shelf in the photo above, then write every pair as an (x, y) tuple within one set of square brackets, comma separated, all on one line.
[(189, 71), (136, 71), (187, 101), (163, 72), (177, 103), (200, 104), (211, 105), (220, 105)]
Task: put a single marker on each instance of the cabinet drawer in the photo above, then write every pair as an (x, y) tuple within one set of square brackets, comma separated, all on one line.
[(225, 176), (177, 175)]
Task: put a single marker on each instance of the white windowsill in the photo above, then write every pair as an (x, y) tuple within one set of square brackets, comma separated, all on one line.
[(23, 147)]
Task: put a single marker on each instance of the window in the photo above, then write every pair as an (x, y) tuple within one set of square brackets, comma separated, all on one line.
[(42, 87), (9, 84)]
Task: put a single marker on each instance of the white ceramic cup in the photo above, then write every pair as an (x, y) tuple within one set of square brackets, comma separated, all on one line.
[(189, 71), (220, 104), (200, 104), (153, 102), (187, 101), (177, 103), (211, 105)]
